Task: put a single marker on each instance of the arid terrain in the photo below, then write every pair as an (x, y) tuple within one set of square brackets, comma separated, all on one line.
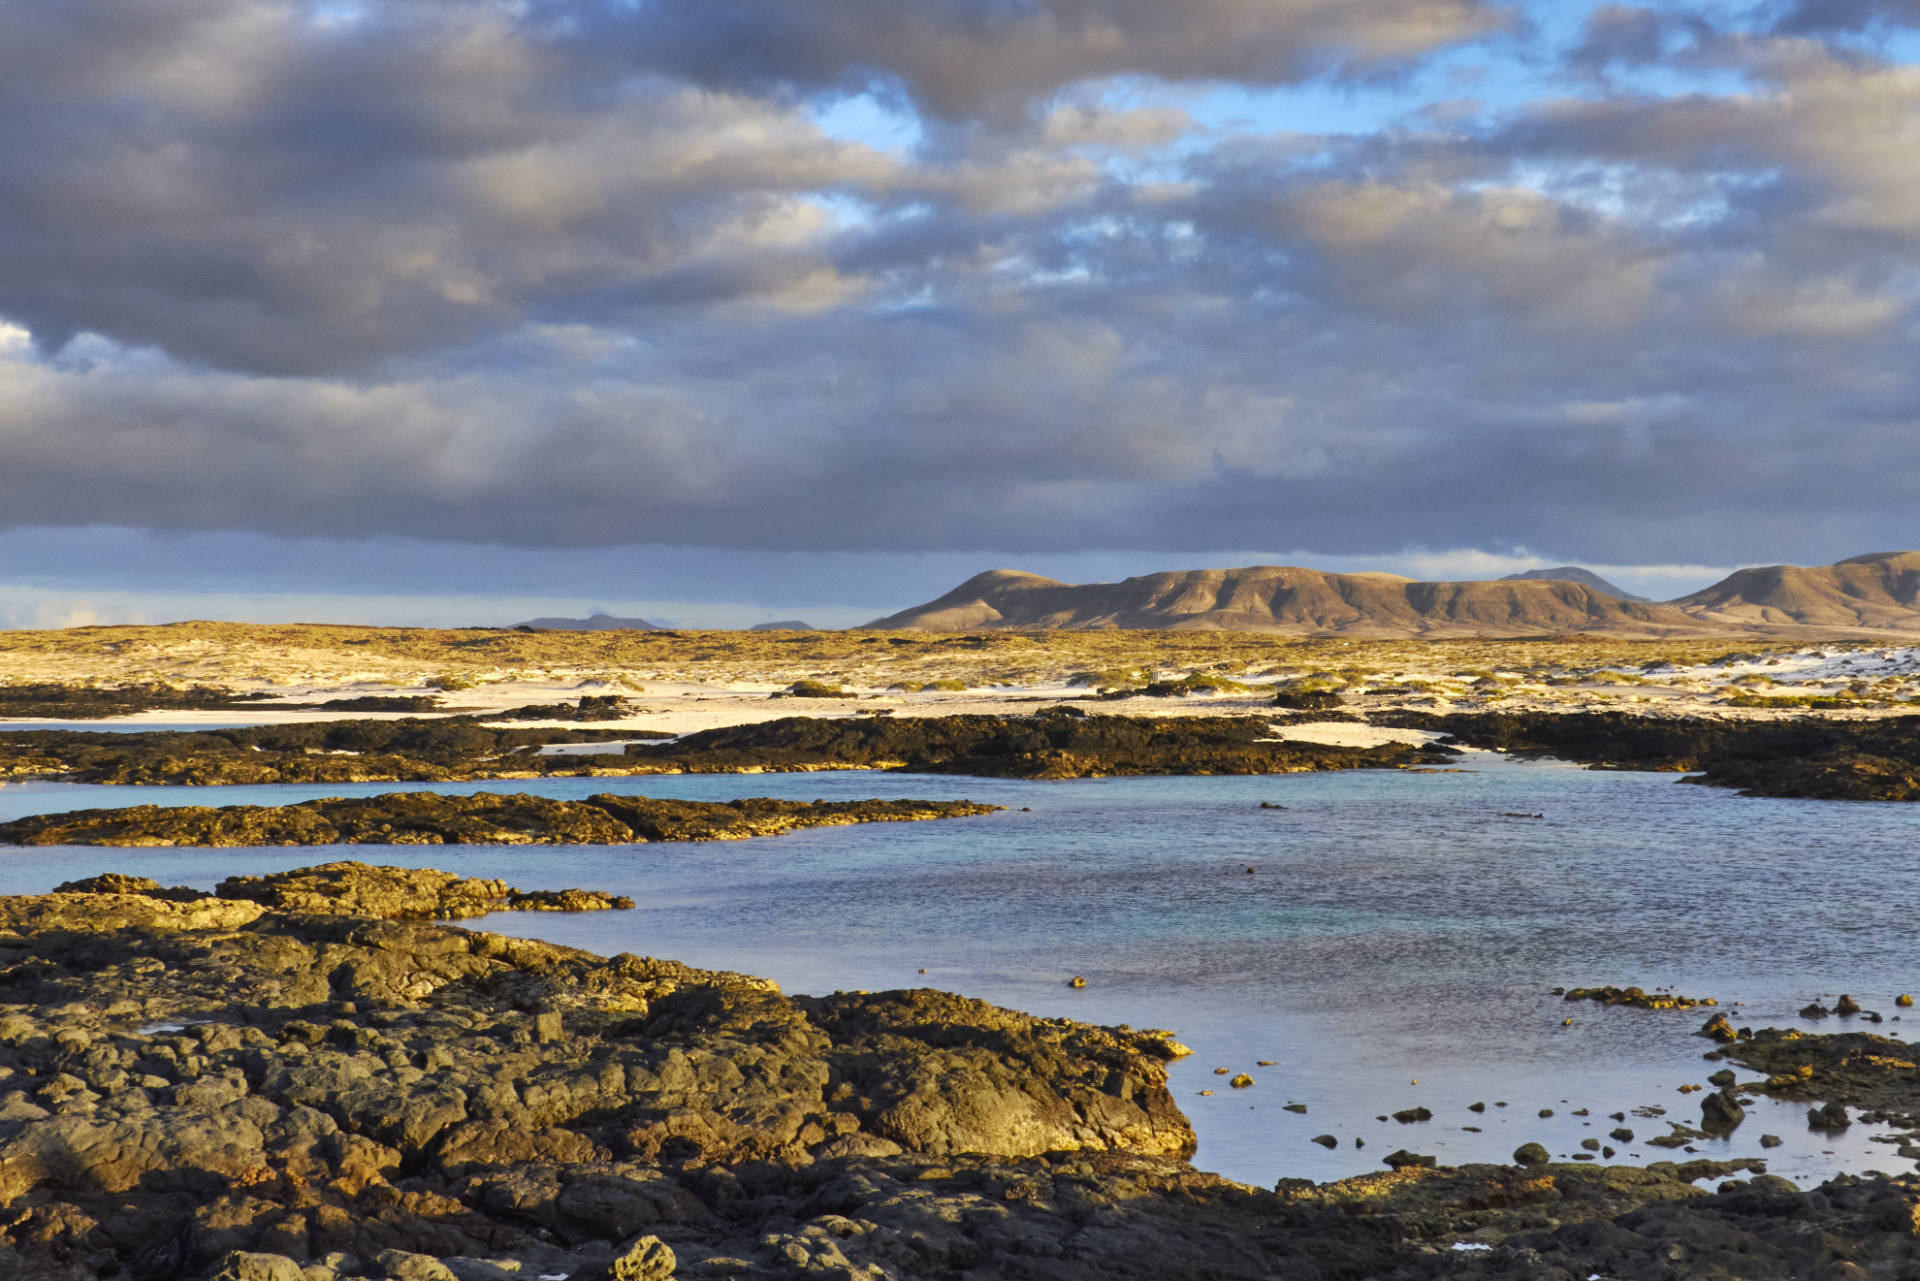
[(678, 682)]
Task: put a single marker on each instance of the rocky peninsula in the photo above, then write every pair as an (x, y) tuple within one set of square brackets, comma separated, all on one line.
[(282, 1086), (1053, 743), (1822, 759), (484, 818)]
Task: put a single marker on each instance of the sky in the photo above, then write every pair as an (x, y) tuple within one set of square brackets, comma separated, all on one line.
[(722, 311)]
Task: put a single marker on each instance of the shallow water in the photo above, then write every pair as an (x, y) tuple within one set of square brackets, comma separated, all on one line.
[(1396, 928)]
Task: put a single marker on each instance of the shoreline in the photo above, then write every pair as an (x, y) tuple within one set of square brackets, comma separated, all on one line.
[(414, 1155)]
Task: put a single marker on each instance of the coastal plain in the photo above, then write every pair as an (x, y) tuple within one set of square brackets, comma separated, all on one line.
[(422, 1101)]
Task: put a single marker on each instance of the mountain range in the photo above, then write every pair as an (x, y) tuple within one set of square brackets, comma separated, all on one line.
[(1874, 593)]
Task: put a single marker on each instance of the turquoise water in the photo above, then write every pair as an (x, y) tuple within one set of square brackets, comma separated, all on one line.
[(1396, 927)]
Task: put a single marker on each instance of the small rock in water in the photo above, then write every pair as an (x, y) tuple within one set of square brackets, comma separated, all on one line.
[(1220, 1071), (1771, 1140), (1326, 1141), (1831, 1118), (1301, 1108), (1530, 1154), (1264, 1062), (1814, 1011), (1407, 1116), (1546, 1111), (1241, 1082), (1721, 1110), (1904, 1001), (1846, 1007), (1476, 1107), (1077, 981)]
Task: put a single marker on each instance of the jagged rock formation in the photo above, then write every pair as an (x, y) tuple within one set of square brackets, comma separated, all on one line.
[(485, 818), (1285, 599), (1571, 574), (1879, 591)]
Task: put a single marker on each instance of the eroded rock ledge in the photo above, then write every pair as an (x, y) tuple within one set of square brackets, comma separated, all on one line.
[(485, 818), (360, 889), (197, 1088)]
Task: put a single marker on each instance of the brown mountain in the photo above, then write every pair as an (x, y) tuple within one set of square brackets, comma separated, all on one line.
[(1879, 591), (1572, 574), (1286, 599)]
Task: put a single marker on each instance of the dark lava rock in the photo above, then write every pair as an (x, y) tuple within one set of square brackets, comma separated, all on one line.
[(1313, 700), (1530, 1154), (485, 818), (1638, 998), (1049, 744), (441, 749), (589, 707), (1721, 1111), (1862, 760), (402, 893), (81, 702), (116, 883), (216, 1088)]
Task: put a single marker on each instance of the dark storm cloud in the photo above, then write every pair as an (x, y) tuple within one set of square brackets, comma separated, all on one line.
[(573, 275)]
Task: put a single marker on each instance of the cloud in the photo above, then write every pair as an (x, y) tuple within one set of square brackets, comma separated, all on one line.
[(967, 58), (572, 275)]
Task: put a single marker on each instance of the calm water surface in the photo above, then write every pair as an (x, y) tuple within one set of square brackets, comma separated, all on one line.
[(1393, 945)]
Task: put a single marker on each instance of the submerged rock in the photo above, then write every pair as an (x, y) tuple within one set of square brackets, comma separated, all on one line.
[(1638, 998)]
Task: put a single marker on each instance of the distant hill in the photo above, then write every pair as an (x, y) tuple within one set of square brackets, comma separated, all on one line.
[(1880, 591), (784, 625), (597, 623), (1571, 574), (1289, 599)]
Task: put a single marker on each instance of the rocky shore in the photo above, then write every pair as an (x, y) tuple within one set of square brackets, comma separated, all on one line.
[(484, 818), (1053, 743), (218, 1087), (1822, 759), (413, 750), (1817, 758), (1058, 742)]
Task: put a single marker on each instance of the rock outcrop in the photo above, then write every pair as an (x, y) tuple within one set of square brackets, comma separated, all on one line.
[(1056, 742), (484, 818), (219, 1089), (1854, 760)]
